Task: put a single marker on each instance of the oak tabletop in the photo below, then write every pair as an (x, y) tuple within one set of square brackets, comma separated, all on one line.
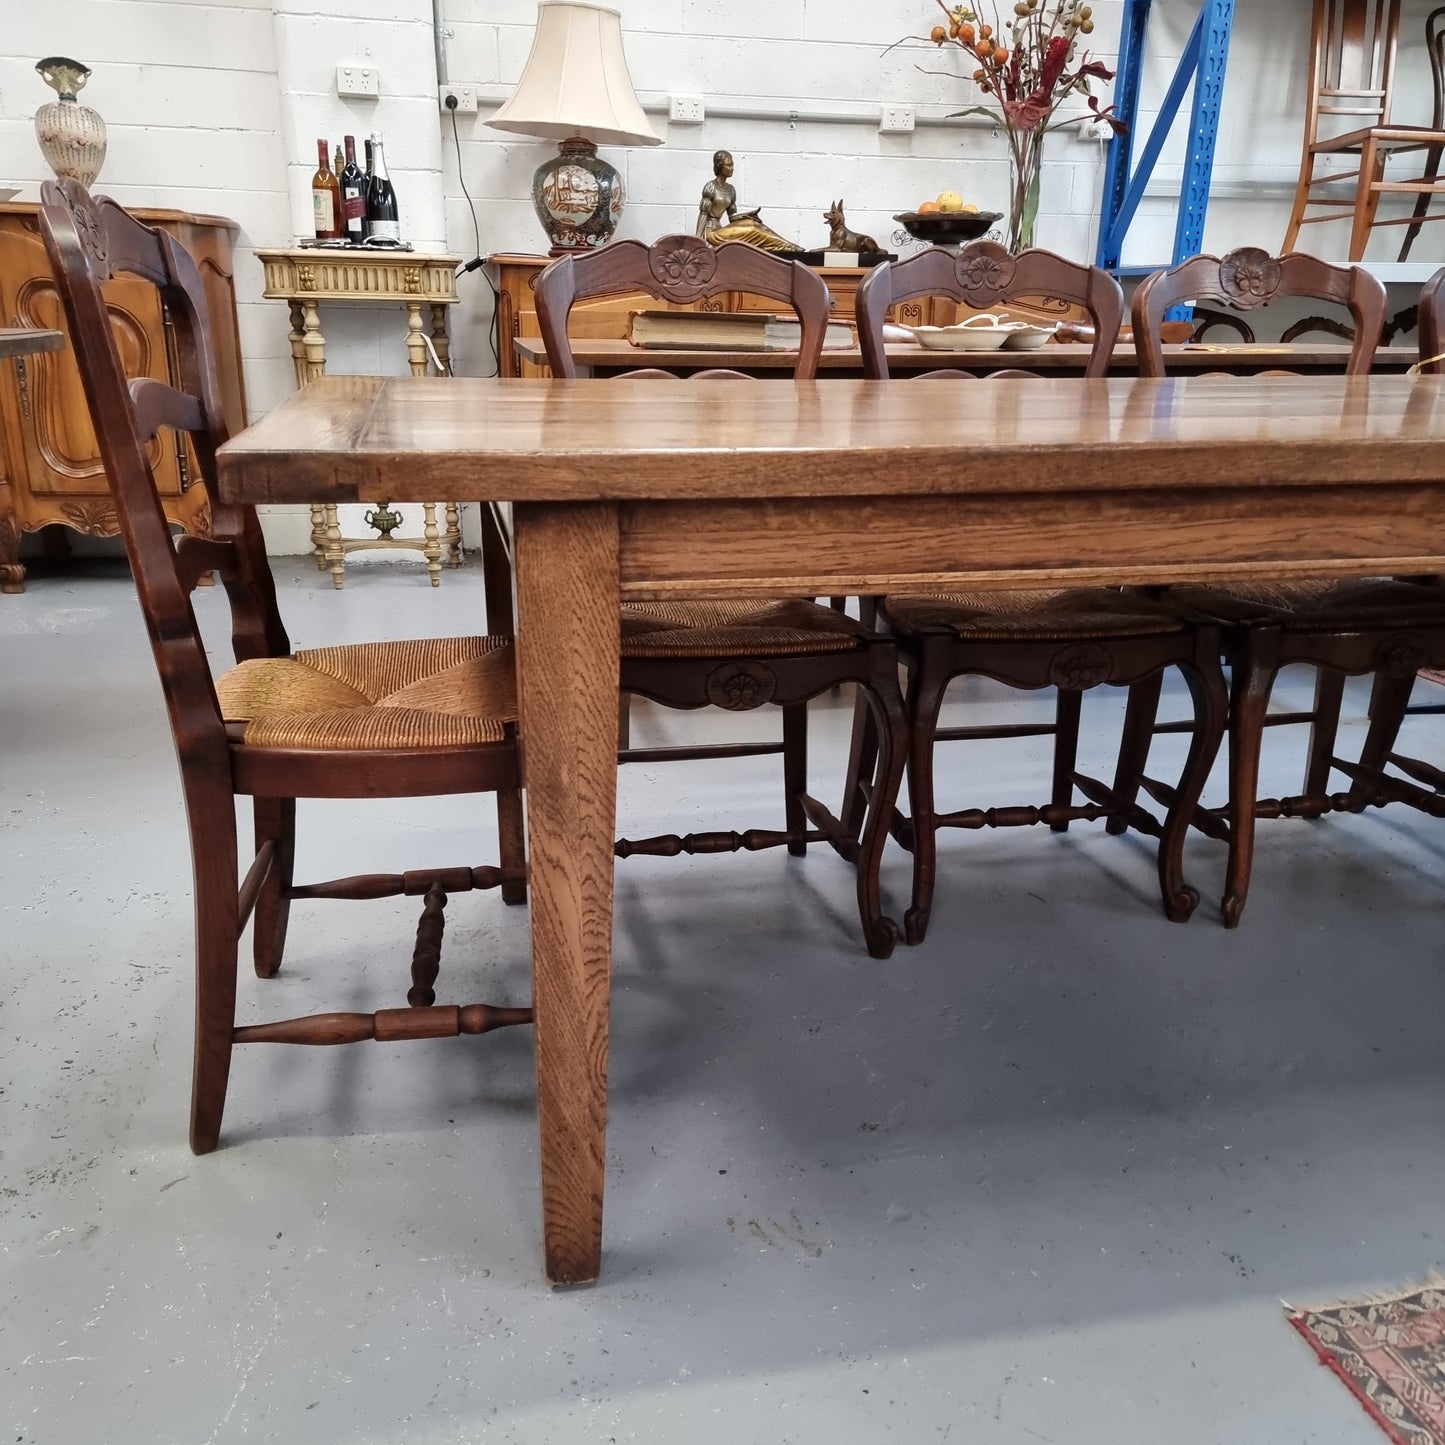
[(418, 438), (22, 341), (608, 353)]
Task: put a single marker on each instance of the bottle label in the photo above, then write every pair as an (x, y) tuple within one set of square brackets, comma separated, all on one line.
[(353, 208), (322, 203), (386, 231)]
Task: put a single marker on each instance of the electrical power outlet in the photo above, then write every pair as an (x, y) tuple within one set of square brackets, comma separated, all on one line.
[(464, 95), (685, 110), (895, 119), (1091, 128), (358, 82)]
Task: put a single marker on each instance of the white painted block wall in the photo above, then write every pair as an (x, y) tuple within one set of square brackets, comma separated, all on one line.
[(216, 105)]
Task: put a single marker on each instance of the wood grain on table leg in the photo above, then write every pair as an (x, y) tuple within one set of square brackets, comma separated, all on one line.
[(568, 649)]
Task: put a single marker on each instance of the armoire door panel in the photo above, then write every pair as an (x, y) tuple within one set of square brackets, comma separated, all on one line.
[(64, 459)]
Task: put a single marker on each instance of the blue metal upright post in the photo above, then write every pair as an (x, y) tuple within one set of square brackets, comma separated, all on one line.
[(1204, 62), (1121, 148)]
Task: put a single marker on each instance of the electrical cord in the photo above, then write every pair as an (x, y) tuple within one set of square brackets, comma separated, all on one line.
[(475, 263)]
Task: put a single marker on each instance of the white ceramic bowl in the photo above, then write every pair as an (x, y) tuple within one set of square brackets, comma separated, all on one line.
[(960, 338)]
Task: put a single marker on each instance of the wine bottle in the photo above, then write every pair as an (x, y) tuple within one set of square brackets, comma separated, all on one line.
[(353, 196), (326, 197), (382, 224), (365, 190)]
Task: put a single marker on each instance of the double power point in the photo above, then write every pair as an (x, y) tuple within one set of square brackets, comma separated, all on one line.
[(465, 97)]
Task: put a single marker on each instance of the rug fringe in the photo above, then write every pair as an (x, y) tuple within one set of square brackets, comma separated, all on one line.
[(1368, 1301)]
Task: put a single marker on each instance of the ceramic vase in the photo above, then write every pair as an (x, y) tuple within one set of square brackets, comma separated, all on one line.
[(578, 197), (71, 135)]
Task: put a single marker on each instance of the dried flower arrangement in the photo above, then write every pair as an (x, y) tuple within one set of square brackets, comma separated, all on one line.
[(1029, 68)]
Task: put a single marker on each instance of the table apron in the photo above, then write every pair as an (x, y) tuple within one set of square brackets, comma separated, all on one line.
[(851, 545)]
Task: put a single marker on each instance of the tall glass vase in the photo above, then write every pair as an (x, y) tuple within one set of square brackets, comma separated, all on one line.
[(1025, 168)]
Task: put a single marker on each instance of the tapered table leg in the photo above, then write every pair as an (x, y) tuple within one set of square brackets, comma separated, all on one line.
[(568, 641)]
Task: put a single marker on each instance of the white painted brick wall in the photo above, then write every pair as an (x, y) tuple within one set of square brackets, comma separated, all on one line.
[(216, 105)]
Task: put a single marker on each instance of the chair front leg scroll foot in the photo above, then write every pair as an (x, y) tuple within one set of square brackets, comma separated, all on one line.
[(915, 925), (1179, 906), (1232, 908), (882, 934)]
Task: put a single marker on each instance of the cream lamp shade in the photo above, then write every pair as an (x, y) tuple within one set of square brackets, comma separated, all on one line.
[(575, 89)]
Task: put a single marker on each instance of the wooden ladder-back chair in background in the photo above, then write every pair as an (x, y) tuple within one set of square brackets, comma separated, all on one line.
[(401, 719), (1070, 639), (1381, 626), (740, 654), (1352, 72)]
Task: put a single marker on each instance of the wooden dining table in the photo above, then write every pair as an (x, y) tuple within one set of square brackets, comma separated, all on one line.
[(838, 487)]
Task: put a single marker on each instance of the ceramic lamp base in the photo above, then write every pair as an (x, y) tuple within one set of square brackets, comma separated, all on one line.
[(578, 197)]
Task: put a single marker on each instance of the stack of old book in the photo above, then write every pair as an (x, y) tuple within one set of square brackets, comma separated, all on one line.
[(726, 331)]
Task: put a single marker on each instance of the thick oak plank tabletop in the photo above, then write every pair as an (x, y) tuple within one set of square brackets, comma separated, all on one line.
[(604, 356), (26, 341), (839, 487), (413, 439)]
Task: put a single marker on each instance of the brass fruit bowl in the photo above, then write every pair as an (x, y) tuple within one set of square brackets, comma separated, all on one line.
[(948, 228)]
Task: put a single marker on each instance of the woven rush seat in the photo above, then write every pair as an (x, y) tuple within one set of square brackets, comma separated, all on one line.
[(1319, 606), (1058, 615), (450, 692), (736, 628)]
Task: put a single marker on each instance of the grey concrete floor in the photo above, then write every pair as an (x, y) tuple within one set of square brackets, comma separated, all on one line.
[(1045, 1178)]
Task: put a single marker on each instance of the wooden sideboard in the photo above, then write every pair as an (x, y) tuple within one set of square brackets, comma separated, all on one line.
[(50, 468), (606, 318)]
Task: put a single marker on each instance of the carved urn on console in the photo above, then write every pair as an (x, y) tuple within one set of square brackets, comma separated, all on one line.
[(72, 136)]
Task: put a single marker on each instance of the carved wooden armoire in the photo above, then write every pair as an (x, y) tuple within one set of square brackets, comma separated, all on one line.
[(50, 470)]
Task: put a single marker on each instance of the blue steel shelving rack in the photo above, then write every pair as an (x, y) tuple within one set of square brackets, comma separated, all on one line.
[(1204, 61)]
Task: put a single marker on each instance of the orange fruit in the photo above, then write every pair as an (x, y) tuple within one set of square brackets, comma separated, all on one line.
[(926, 207)]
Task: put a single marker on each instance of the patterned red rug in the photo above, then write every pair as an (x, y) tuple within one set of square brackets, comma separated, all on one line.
[(1390, 1351)]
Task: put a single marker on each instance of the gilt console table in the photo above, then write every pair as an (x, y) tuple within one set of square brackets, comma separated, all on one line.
[(426, 284)]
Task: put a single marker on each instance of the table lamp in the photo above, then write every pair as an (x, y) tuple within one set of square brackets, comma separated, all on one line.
[(575, 89)]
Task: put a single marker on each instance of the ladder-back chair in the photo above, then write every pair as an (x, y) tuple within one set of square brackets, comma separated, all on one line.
[(399, 719), (740, 654), (1376, 626), (1353, 46), (1072, 639)]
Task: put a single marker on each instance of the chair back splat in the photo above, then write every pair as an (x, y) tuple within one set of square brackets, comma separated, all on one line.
[(984, 275), (1248, 279), (681, 269)]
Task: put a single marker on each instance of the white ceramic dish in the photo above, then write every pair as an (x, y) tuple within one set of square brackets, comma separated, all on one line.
[(960, 338), (1023, 337)]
